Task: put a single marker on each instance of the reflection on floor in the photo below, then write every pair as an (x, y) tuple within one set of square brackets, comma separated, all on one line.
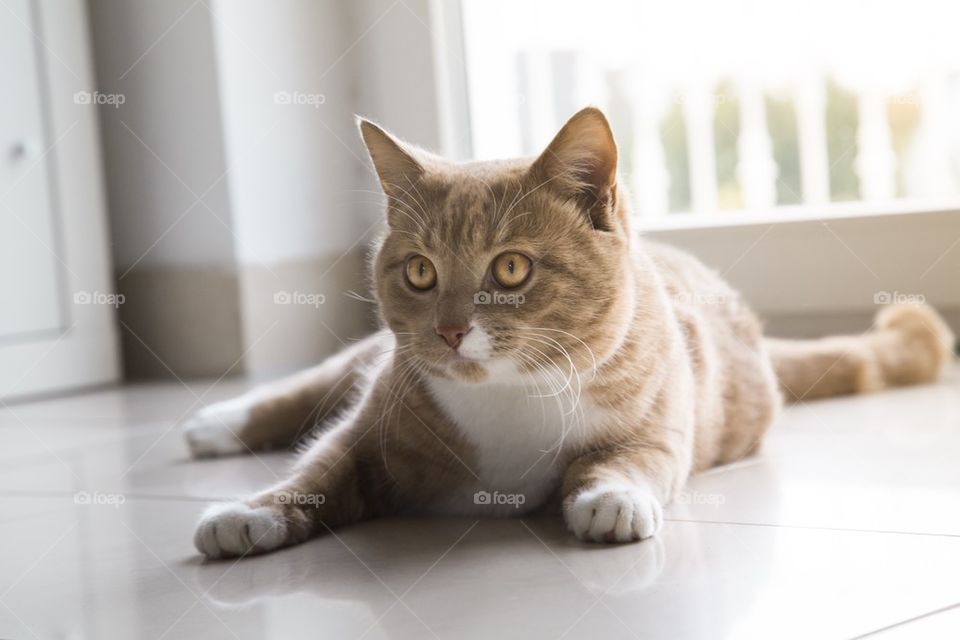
[(848, 524)]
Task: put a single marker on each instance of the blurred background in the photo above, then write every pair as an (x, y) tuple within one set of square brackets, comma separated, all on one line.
[(184, 193)]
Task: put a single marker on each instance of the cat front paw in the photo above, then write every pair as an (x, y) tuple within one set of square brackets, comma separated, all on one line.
[(236, 529), (613, 512), (213, 431)]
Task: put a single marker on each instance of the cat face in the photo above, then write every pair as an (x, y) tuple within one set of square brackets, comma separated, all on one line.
[(498, 271)]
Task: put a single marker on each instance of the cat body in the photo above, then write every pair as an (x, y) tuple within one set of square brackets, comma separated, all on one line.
[(536, 354)]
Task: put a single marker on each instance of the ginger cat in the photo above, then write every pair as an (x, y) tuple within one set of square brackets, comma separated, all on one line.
[(535, 354)]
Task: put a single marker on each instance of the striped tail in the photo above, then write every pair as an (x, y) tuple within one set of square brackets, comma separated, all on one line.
[(908, 344)]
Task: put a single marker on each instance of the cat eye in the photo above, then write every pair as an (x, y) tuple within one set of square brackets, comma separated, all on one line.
[(420, 273), (511, 269)]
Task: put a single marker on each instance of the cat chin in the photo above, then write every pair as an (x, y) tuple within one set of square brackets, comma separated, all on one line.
[(469, 371), (490, 371)]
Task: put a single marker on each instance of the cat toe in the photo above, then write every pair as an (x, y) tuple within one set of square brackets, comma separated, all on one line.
[(613, 512), (236, 529), (213, 430)]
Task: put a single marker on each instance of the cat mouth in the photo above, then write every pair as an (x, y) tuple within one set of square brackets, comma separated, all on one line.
[(468, 370)]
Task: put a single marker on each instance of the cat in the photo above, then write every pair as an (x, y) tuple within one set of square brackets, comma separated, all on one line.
[(536, 354)]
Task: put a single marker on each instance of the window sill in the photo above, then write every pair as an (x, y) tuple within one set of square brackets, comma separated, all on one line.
[(794, 213)]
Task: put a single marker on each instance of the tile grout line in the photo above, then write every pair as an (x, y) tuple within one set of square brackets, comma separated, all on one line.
[(136, 495), (817, 528), (921, 616), (131, 495)]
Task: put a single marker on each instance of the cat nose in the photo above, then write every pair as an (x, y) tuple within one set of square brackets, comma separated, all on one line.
[(453, 334)]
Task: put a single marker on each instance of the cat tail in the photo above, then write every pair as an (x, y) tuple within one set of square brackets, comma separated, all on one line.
[(908, 344)]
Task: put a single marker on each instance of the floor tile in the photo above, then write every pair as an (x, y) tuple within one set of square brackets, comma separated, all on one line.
[(123, 570), (125, 406), (123, 440), (146, 461), (818, 537), (942, 625), (887, 461)]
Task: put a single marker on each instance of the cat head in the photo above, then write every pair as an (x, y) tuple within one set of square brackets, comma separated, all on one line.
[(490, 271)]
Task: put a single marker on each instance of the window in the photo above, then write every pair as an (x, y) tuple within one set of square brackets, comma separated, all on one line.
[(727, 105)]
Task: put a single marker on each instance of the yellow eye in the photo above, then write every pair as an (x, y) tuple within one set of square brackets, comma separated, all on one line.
[(420, 272), (511, 269)]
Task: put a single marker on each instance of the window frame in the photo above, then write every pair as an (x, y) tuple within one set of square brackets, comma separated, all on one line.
[(852, 241)]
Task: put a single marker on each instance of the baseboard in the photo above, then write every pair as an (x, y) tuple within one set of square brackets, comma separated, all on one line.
[(180, 322)]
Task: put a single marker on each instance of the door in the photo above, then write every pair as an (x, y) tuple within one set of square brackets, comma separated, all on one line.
[(29, 273), (56, 311)]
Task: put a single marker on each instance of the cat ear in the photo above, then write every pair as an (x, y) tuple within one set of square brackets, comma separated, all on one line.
[(395, 163), (581, 163)]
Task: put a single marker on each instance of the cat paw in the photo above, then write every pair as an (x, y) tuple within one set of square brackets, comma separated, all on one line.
[(213, 430), (613, 512), (235, 529)]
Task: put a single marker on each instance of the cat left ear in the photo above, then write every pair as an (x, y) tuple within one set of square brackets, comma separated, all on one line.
[(581, 162), (396, 165)]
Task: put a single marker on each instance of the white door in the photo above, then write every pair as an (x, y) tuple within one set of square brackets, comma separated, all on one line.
[(29, 273), (56, 315)]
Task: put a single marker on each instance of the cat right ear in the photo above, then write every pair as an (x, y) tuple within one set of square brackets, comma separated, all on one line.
[(581, 163), (396, 164)]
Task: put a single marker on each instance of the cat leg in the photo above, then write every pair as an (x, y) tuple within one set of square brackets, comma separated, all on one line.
[(278, 414), (618, 495), (612, 498), (324, 492)]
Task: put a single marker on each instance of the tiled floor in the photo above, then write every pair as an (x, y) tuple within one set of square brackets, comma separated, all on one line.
[(847, 525)]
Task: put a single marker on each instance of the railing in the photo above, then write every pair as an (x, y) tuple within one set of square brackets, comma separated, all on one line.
[(923, 164)]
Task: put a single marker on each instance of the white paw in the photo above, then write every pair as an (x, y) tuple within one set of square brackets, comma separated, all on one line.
[(614, 512), (235, 528), (213, 430)]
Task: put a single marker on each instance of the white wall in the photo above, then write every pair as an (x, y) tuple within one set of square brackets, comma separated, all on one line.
[(283, 179), (397, 84), (809, 277), (255, 102), (299, 175), (160, 57), (292, 165)]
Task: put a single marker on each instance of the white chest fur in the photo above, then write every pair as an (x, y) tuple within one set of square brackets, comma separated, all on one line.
[(518, 433)]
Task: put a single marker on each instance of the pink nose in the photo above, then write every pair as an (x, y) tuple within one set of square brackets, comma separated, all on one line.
[(452, 334)]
